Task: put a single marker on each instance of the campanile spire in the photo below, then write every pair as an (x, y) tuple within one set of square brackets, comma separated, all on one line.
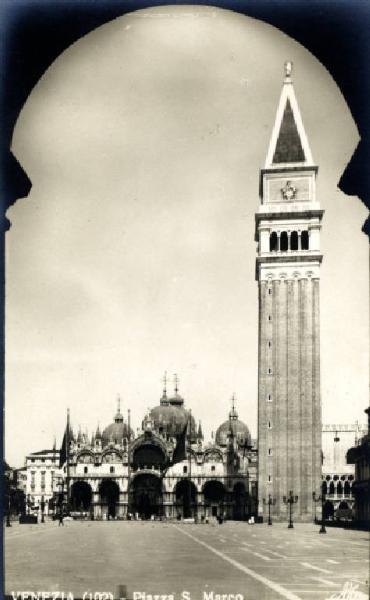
[(288, 144), (288, 224)]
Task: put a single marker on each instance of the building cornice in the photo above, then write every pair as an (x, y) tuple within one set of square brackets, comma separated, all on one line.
[(288, 258), (304, 213)]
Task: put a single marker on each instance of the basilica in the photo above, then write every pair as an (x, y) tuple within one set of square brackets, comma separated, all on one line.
[(117, 474)]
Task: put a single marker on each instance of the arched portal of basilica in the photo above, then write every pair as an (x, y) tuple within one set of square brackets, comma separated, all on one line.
[(214, 497), (145, 496), (186, 498), (109, 497), (81, 496)]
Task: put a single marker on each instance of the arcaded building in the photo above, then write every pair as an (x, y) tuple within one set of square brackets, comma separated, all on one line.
[(117, 474)]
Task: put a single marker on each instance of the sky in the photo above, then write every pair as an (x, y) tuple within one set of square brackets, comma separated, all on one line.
[(134, 252)]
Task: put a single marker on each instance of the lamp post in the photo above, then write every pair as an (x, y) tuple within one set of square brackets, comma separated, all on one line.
[(8, 490), (8, 523), (321, 499), (60, 494), (322, 528), (42, 504), (315, 499), (290, 500), (270, 502), (28, 504)]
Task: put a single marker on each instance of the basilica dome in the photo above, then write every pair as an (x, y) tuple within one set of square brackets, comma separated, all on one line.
[(239, 429), (116, 431), (170, 417)]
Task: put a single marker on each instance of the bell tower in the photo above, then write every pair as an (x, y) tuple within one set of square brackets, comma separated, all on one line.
[(288, 225)]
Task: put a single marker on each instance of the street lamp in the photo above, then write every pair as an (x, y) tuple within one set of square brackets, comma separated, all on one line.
[(317, 499), (8, 523), (42, 504), (60, 494), (8, 490), (270, 502), (291, 500)]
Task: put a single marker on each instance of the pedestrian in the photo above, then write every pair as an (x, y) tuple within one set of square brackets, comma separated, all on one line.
[(61, 517)]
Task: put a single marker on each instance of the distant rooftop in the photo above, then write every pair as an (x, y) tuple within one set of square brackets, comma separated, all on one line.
[(43, 452)]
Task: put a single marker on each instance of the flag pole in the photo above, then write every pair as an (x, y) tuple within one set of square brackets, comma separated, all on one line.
[(67, 457), (128, 458), (189, 459)]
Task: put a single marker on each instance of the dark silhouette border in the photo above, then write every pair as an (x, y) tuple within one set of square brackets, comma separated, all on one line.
[(34, 32)]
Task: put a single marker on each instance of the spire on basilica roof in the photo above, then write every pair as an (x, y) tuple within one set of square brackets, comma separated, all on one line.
[(71, 434), (164, 399), (118, 417), (233, 415), (98, 433), (289, 143), (176, 400), (200, 432)]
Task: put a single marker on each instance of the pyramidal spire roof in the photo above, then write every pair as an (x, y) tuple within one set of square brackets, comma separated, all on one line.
[(289, 143)]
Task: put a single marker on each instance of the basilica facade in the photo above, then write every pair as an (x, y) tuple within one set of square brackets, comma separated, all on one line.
[(117, 474)]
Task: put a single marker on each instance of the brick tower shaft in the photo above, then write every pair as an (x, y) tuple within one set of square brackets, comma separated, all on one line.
[(288, 226)]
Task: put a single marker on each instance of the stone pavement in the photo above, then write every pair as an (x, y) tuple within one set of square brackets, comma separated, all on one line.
[(257, 562)]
